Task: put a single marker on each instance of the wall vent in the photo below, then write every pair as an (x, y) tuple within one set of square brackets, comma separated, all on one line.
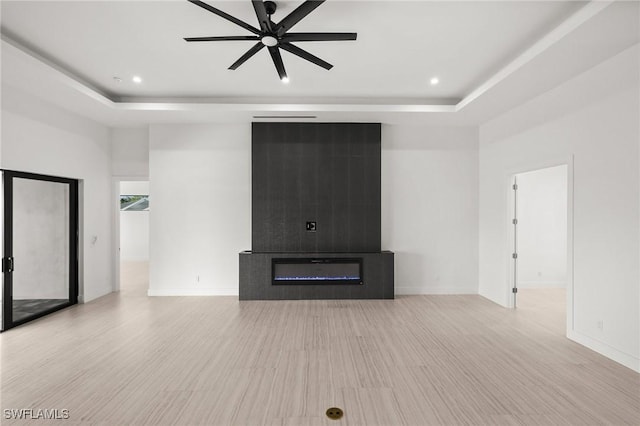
[(286, 116)]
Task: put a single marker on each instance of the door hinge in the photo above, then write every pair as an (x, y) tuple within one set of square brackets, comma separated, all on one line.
[(515, 221), (7, 264), (515, 187), (514, 290), (514, 255)]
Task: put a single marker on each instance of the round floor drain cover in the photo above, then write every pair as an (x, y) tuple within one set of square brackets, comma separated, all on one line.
[(335, 413)]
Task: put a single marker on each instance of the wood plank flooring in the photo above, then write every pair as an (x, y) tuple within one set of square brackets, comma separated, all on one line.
[(417, 360)]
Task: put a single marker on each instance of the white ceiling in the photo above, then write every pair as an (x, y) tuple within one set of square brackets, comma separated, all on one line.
[(70, 51)]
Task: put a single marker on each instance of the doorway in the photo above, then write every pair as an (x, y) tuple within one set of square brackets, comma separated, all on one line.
[(40, 252), (133, 235), (541, 242)]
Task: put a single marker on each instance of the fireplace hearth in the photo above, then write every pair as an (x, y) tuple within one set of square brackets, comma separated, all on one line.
[(256, 277)]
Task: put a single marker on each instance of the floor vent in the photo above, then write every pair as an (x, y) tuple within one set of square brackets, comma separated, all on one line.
[(335, 413)]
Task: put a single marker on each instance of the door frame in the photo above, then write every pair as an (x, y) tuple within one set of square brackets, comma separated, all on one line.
[(7, 246), (509, 282)]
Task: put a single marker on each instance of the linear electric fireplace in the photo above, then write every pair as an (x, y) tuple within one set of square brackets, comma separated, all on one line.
[(316, 271)]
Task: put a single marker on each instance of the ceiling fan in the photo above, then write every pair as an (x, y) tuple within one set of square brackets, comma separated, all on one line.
[(275, 36)]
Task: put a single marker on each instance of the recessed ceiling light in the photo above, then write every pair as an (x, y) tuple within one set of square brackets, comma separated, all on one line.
[(434, 81), (285, 79), (137, 79)]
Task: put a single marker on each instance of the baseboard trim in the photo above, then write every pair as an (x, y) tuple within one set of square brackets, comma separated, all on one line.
[(610, 352), (403, 290), (410, 290), (86, 299), (192, 292)]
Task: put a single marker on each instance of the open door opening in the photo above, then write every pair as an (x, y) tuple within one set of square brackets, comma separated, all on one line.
[(541, 234), (134, 237)]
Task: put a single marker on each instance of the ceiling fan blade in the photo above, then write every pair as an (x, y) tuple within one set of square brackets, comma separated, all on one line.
[(261, 14), (305, 55), (319, 36), (297, 15), (255, 49), (221, 38), (225, 16), (277, 61)]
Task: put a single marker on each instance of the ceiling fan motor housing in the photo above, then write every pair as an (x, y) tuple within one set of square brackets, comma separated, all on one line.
[(271, 7)]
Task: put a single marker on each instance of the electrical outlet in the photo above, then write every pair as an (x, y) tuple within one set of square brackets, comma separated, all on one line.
[(600, 324)]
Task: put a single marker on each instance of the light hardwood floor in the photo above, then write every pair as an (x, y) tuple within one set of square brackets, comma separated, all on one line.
[(417, 360)]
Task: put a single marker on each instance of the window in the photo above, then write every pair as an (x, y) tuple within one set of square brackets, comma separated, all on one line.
[(134, 203)]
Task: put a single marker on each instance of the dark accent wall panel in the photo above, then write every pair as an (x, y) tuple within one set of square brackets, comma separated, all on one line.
[(328, 173), (255, 278)]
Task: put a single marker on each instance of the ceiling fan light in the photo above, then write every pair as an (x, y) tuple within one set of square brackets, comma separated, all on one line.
[(269, 41)]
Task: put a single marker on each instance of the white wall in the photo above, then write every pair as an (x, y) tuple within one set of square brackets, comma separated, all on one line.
[(430, 208), (134, 187), (593, 118), (41, 138), (200, 183), (130, 152), (134, 225), (542, 228), (200, 186)]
